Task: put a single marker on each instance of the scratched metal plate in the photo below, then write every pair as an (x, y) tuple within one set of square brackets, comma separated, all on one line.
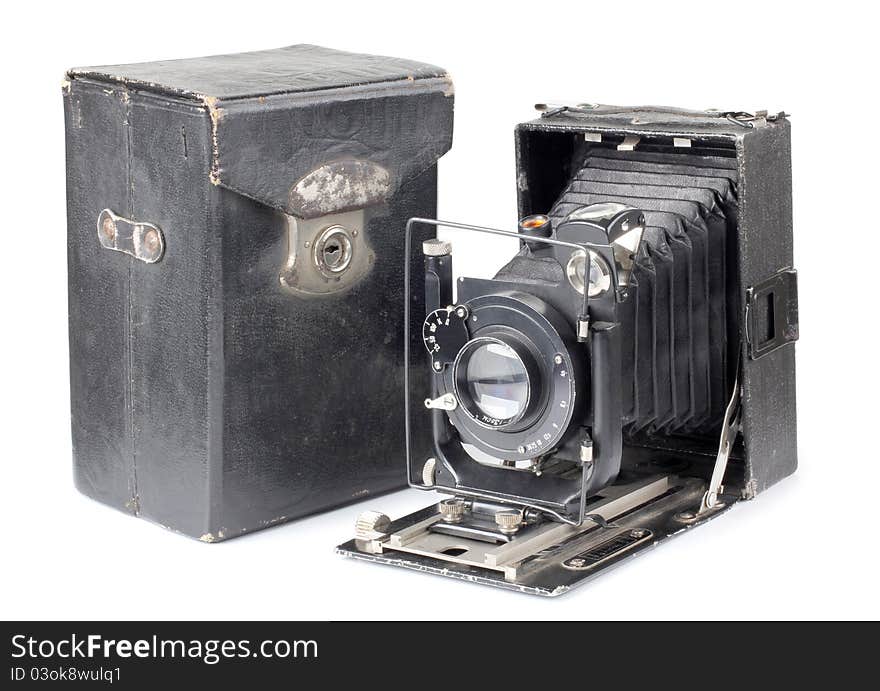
[(545, 573)]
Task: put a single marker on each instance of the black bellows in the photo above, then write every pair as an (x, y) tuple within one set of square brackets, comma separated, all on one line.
[(677, 361)]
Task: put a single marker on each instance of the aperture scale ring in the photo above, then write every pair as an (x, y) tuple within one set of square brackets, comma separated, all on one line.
[(562, 371)]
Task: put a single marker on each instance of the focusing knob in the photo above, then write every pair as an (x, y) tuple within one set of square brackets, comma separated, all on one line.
[(444, 333), (435, 247), (508, 522), (453, 510), (371, 524), (429, 472)]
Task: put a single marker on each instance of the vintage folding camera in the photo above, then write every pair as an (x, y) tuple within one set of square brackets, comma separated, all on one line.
[(628, 375)]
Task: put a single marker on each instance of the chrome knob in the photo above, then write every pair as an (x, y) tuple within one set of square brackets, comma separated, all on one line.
[(370, 525), (429, 472), (508, 522), (452, 510), (435, 247)]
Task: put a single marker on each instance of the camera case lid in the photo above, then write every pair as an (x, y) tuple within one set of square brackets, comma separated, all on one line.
[(304, 113)]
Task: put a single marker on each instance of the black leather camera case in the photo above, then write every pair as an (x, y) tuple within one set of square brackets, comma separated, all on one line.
[(235, 257)]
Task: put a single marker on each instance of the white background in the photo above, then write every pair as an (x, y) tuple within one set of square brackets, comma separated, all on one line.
[(805, 549)]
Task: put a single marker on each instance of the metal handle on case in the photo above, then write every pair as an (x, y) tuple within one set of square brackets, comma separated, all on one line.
[(139, 239)]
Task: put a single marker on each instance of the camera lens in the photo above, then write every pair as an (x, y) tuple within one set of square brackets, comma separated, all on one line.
[(514, 381), (495, 382)]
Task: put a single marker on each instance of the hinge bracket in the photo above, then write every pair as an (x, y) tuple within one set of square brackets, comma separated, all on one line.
[(729, 430)]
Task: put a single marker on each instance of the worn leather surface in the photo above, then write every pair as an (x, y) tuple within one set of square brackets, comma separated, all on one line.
[(263, 146), (98, 300), (647, 121), (299, 68), (549, 151), (766, 246), (206, 396), (278, 115)]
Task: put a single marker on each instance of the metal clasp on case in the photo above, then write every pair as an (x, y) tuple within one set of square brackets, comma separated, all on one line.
[(327, 254)]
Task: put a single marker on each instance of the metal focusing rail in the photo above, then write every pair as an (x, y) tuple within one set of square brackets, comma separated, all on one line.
[(427, 537), (544, 557)]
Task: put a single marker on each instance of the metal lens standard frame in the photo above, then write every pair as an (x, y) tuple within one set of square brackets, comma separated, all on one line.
[(518, 497), (461, 381)]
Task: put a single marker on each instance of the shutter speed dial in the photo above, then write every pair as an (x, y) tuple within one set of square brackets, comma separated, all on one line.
[(444, 334)]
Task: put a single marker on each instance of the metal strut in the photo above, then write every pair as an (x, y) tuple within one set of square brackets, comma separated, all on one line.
[(729, 430)]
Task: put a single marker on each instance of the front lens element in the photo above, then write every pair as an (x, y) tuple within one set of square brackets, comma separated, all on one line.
[(497, 382)]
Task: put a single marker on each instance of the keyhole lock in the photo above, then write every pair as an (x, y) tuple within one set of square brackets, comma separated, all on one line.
[(333, 251)]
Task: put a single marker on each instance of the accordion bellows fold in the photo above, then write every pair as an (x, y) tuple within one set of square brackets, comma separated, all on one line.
[(677, 362)]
